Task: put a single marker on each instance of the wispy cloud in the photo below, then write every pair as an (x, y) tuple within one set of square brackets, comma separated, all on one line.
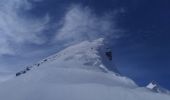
[(78, 24), (17, 29), (28, 39), (81, 23)]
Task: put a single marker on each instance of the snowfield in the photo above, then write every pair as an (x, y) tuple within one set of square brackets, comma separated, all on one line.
[(79, 72)]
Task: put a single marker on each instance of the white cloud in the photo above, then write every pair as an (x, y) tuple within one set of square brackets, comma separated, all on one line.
[(17, 29), (81, 23), (4, 46)]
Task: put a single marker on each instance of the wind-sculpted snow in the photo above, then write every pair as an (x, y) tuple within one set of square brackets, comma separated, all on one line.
[(78, 72)]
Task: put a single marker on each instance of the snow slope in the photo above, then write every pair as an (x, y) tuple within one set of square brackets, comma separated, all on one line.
[(79, 72)]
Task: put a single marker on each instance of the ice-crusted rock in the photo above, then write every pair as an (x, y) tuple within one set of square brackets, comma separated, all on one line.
[(155, 87)]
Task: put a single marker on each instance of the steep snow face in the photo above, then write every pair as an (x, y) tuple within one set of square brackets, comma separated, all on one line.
[(155, 87), (88, 57), (79, 72), (84, 55)]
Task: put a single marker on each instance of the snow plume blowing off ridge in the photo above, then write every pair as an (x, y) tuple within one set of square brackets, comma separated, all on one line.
[(22, 33), (19, 27), (16, 28), (77, 72), (81, 23)]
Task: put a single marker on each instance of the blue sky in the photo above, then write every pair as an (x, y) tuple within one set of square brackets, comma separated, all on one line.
[(138, 31)]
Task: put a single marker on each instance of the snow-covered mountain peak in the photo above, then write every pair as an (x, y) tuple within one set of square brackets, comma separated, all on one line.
[(89, 55), (155, 87), (79, 72), (152, 85), (83, 55)]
